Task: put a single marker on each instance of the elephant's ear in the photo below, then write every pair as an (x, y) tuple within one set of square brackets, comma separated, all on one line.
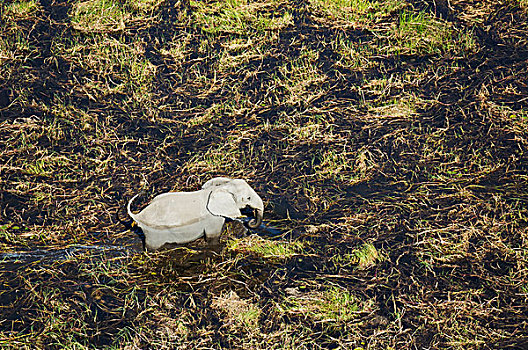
[(222, 203)]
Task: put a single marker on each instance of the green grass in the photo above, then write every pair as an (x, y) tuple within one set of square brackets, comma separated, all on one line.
[(367, 256), (144, 6), (353, 55), (237, 17), (353, 12), (363, 257), (99, 16), (342, 166), (46, 165), (333, 306), (238, 312), (15, 47), (238, 52), (118, 66), (21, 9), (106, 16), (5, 233), (421, 33), (176, 49), (301, 79), (267, 249)]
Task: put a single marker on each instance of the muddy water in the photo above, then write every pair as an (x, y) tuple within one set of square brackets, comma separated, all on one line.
[(264, 229), (76, 250), (62, 254)]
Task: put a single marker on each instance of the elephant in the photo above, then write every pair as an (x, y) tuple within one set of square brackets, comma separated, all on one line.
[(182, 217)]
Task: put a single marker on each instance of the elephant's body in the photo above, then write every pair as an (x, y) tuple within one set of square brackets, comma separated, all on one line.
[(182, 217), (161, 226)]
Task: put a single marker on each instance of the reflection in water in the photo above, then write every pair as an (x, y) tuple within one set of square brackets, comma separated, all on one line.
[(59, 254), (263, 229)]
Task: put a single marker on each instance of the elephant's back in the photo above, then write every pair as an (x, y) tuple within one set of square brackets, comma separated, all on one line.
[(174, 209)]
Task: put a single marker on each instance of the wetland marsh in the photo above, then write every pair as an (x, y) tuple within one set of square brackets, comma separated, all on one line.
[(388, 140)]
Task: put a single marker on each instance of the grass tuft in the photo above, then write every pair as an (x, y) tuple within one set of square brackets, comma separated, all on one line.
[(19, 10), (99, 16), (237, 312), (238, 18), (333, 306), (421, 33), (354, 12), (363, 257), (267, 249)]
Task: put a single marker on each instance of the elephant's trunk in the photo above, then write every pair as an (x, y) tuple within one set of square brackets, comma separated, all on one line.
[(257, 220)]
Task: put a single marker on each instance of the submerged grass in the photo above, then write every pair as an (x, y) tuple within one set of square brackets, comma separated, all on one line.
[(387, 139)]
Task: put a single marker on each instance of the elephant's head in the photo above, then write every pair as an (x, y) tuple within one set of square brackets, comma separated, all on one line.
[(229, 196)]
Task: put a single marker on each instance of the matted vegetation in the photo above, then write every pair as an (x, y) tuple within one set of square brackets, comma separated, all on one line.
[(387, 138)]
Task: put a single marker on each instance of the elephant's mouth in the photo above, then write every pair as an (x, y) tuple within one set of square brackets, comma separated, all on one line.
[(255, 215), (247, 211)]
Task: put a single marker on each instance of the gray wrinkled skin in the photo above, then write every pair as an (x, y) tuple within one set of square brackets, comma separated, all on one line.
[(181, 217)]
